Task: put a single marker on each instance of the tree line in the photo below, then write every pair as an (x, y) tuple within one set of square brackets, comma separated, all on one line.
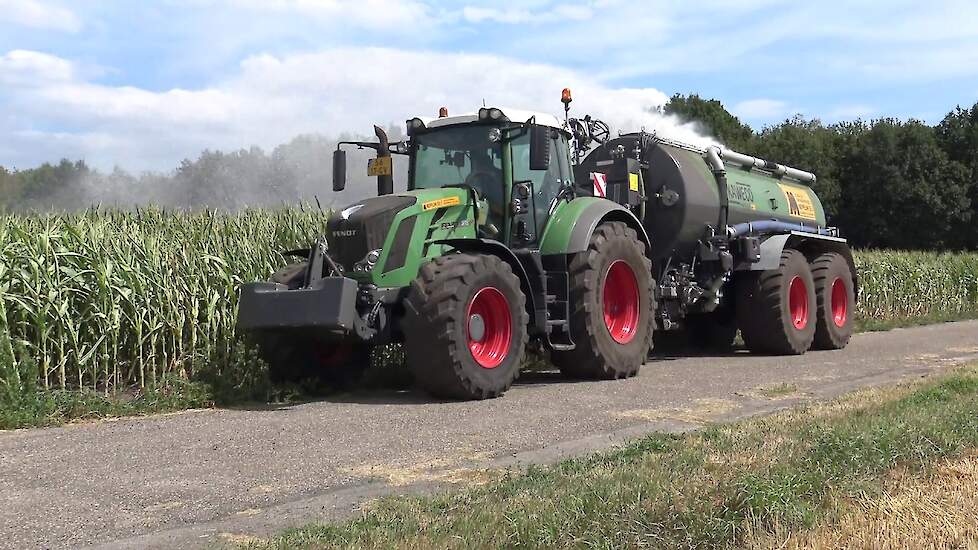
[(887, 183)]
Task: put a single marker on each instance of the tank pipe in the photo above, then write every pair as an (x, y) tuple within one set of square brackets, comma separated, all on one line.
[(773, 226), (779, 170), (714, 160)]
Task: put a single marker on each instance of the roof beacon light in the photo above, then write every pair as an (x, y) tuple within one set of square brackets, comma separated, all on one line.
[(443, 112), (565, 97)]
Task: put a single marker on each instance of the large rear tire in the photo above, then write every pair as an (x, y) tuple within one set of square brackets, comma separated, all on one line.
[(776, 308), (612, 309), (835, 297), (465, 326)]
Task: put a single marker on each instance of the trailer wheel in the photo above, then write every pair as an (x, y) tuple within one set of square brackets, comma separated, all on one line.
[(836, 301), (776, 308), (465, 326), (611, 306)]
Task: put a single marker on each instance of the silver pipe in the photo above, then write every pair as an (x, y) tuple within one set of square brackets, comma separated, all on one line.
[(748, 161)]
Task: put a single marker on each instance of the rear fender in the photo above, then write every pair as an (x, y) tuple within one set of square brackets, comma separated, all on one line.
[(570, 228)]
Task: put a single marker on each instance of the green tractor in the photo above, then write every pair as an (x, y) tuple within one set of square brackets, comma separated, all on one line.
[(518, 228)]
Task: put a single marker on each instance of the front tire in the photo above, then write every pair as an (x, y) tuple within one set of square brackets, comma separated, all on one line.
[(612, 306), (465, 326)]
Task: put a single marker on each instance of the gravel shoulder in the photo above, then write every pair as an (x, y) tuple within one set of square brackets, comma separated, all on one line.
[(198, 478)]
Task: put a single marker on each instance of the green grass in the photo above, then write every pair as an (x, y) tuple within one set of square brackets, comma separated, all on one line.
[(721, 487)]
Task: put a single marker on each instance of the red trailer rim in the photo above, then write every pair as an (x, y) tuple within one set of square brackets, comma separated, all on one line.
[(621, 302), (489, 327), (840, 303), (798, 303)]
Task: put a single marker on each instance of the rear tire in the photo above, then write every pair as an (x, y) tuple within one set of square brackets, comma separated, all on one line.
[(611, 306), (776, 308), (836, 300), (465, 326)]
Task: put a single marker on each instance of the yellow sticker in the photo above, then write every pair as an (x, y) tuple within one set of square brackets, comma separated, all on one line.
[(633, 182), (380, 166), (799, 202), (440, 203)]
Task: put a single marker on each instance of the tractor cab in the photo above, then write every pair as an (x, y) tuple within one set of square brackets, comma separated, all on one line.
[(514, 163)]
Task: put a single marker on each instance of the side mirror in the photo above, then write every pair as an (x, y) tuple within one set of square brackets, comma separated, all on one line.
[(539, 147), (339, 170)]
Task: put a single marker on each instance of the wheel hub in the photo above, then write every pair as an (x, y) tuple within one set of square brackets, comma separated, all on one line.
[(798, 303), (489, 327), (621, 302), (477, 327), (840, 303)]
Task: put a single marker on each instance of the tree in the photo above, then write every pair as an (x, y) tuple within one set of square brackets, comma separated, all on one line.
[(899, 188), (714, 118), (958, 137)]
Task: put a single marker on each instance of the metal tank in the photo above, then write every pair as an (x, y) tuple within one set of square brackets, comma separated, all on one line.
[(684, 186)]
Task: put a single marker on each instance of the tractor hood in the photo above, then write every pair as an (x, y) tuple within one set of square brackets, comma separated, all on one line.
[(401, 228)]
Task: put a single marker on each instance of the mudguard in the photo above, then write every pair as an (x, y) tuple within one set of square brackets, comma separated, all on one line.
[(811, 245), (569, 229)]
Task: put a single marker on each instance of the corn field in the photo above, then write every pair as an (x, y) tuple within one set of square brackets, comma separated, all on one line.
[(105, 300)]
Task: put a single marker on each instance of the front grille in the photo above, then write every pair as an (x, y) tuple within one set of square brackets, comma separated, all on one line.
[(364, 229)]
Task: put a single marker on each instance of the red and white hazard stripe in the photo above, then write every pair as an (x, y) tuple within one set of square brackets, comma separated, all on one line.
[(600, 182)]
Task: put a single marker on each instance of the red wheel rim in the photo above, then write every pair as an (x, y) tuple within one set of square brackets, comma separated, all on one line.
[(840, 303), (621, 302), (798, 303), (489, 327)]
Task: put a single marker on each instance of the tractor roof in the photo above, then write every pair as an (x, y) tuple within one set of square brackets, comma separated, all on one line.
[(514, 115)]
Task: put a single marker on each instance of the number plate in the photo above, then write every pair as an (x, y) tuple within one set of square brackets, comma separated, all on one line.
[(380, 166)]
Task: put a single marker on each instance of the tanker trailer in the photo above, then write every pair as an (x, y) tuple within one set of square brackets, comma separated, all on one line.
[(737, 242)]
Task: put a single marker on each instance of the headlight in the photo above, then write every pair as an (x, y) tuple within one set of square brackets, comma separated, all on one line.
[(368, 262), (372, 257)]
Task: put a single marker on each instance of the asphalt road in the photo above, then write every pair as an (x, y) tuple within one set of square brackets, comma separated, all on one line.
[(202, 478)]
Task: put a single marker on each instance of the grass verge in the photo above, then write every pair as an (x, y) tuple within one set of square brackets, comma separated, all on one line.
[(755, 483)]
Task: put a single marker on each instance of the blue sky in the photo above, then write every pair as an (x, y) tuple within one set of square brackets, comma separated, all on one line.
[(143, 85)]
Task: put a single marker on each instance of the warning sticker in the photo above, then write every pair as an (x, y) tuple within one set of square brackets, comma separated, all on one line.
[(799, 202), (440, 203), (600, 182), (633, 182)]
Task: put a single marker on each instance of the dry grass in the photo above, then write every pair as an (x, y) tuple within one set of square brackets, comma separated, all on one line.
[(936, 510)]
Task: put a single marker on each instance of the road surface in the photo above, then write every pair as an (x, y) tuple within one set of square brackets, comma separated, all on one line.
[(200, 478)]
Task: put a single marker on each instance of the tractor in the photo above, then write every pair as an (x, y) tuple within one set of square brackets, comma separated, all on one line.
[(521, 229)]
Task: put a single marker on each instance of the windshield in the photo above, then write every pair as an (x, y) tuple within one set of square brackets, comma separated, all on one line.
[(462, 155)]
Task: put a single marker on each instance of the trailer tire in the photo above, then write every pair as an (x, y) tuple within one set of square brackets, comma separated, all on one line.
[(776, 308), (465, 326), (611, 325), (836, 300)]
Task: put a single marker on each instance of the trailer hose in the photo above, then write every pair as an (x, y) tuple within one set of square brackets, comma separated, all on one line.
[(773, 226)]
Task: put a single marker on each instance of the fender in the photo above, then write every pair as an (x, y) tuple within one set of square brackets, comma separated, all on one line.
[(809, 244), (496, 248), (569, 229)]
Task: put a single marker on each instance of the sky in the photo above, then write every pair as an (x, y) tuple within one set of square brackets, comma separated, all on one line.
[(143, 85)]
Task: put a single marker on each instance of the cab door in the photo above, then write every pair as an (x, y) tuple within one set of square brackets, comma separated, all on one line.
[(531, 188)]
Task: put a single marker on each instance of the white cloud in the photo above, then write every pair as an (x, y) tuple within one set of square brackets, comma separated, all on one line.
[(28, 68), (39, 15), (273, 98), (370, 14)]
